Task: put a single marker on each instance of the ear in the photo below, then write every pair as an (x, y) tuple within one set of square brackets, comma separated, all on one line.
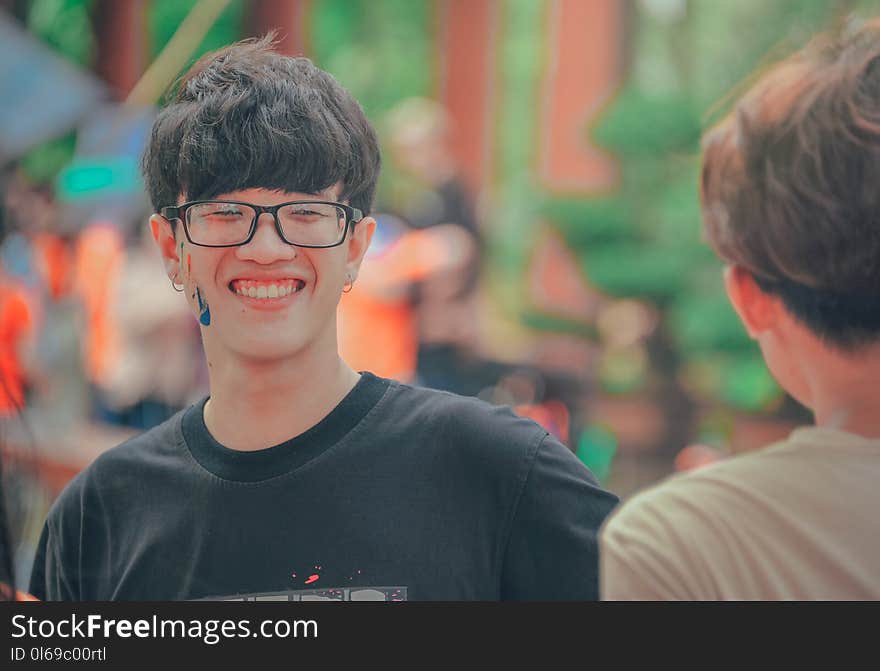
[(758, 310), (163, 234), (358, 243)]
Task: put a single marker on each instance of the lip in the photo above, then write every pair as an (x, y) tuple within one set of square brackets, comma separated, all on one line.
[(268, 304)]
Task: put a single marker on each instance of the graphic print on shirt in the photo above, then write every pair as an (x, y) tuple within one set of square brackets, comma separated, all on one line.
[(380, 593), (312, 576)]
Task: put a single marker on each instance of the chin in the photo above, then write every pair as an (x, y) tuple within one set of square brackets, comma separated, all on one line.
[(268, 351)]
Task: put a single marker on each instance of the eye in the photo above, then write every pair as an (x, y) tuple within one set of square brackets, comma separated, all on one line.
[(224, 211), (306, 211)]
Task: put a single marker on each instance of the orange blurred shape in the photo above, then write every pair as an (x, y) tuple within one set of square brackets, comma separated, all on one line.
[(16, 324), (582, 74), (552, 415), (54, 261), (377, 336), (98, 260)]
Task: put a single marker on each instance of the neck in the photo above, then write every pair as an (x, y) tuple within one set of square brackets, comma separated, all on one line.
[(844, 391), (256, 404)]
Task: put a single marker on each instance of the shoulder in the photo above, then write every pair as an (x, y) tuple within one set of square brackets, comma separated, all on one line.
[(690, 500), (150, 447), (119, 467), (461, 427), (462, 416), (670, 540)]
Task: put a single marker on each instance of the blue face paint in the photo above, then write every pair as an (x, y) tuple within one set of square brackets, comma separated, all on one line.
[(204, 310)]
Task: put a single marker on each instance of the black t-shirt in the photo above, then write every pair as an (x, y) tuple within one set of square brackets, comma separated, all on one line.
[(399, 493)]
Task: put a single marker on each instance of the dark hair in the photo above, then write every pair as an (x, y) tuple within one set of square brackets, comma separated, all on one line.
[(789, 185), (248, 117)]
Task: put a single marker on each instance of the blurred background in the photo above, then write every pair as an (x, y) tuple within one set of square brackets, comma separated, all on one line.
[(539, 231)]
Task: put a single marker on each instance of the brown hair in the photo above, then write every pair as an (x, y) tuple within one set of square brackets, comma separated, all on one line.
[(790, 185)]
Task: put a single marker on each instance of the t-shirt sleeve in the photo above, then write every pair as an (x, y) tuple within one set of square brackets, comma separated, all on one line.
[(55, 572), (552, 551), (650, 551), (49, 577)]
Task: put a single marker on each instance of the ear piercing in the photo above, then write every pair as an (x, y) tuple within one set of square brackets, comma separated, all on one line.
[(349, 284)]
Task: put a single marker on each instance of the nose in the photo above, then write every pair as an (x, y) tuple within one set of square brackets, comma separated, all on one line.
[(266, 246)]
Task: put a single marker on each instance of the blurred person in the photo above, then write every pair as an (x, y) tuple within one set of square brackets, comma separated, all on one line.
[(38, 258), (434, 200), (436, 265), (790, 204), (8, 574), (376, 323), (98, 262), (18, 305), (296, 472), (17, 340), (156, 370)]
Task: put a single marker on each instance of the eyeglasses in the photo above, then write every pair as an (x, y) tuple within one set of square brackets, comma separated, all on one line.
[(230, 223)]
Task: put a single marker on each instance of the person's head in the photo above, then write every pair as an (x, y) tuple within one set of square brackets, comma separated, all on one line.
[(418, 134), (249, 124), (791, 203)]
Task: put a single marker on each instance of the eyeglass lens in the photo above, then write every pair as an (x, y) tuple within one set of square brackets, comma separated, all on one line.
[(217, 223)]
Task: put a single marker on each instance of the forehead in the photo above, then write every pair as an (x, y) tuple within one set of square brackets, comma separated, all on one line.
[(260, 196)]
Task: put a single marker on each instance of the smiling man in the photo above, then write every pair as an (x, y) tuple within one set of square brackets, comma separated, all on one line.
[(299, 478)]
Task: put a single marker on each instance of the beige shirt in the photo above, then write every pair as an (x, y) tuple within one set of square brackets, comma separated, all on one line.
[(798, 520)]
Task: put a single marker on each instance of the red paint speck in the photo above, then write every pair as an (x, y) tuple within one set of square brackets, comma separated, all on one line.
[(312, 578), (189, 264)]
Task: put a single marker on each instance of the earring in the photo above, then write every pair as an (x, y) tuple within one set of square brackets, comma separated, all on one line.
[(349, 283), (174, 286)]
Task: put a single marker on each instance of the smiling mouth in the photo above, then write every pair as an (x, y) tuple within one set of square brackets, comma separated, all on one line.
[(264, 289)]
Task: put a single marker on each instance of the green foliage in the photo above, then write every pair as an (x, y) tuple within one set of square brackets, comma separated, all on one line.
[(517, 201), (381, 51), (596, 447), (65, 26), (378, 50), (705, 322), (585, 222), (43, 163), (165, 16), (640, 124), (740, 379)]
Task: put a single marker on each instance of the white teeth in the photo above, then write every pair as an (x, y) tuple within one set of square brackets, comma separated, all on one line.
[(268, 291)]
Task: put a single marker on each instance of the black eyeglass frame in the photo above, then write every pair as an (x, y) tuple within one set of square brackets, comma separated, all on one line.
[(178, 212)]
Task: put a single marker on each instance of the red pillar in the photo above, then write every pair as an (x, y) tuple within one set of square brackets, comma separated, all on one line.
[(288, 17), (584, 66), (467, 45), (121, 41)]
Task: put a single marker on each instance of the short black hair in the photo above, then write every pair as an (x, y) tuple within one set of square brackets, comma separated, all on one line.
[(847, 320), (248, 117)]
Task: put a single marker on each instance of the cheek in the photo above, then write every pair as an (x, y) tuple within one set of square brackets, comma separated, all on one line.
[(193, 269), (330, 272)]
